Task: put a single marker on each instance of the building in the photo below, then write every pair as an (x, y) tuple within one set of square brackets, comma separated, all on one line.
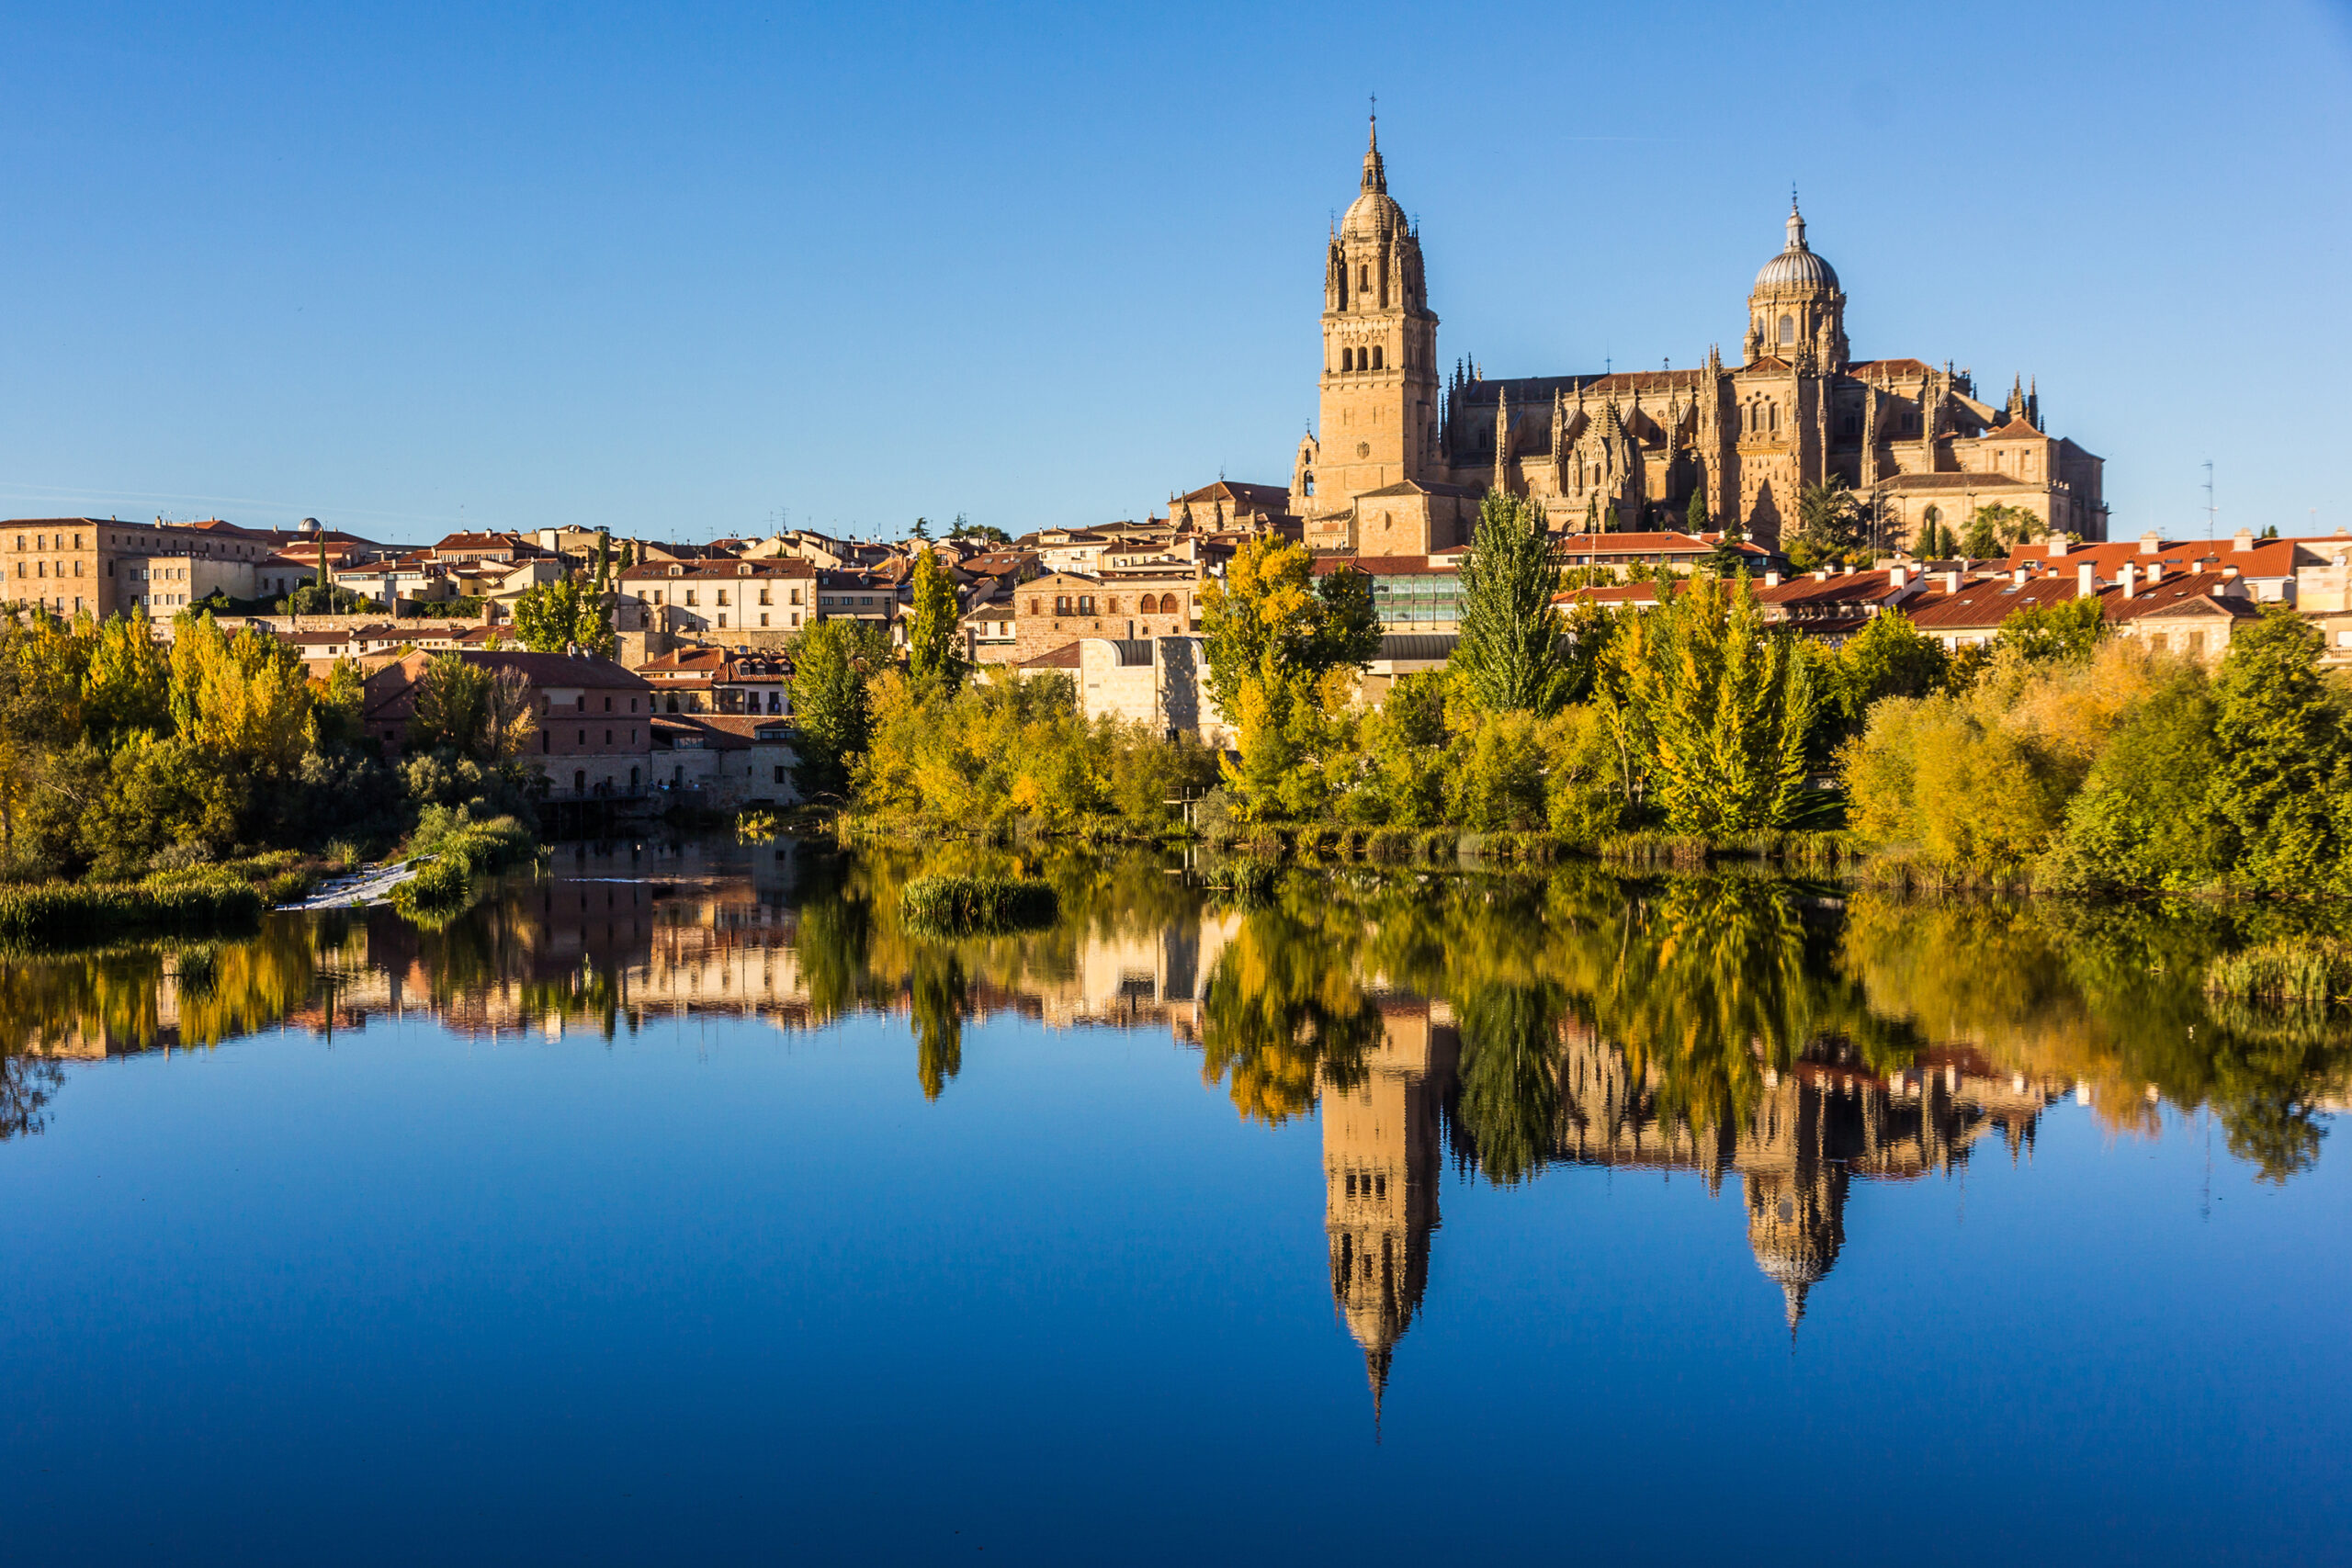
[(756, 601), (1159, 683), (718, 763), (1397, 460), (593, 721), (1060, 607)]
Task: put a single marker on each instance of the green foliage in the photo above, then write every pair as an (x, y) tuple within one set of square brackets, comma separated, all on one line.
[(2302, 972), (1014, 748), (832, 665), (2283, 783), (452, 705), (1716, 709), (461, 850), (1829, 520), (1993, 527), (1695, 517), (1509, 658), (2068, 629), (60, 915), (552, 616), (971, 906), (1888, 658), (933, 657)]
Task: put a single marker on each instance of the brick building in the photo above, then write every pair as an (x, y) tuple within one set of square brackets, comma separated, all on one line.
[(593, 735)]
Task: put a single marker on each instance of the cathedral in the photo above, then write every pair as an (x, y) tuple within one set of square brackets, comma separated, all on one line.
[(1400, 456)]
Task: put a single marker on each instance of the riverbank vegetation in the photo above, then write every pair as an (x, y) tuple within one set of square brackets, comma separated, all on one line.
[(128, 762)]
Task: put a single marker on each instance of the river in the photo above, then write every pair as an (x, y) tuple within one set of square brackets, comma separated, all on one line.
[(674, 1201)]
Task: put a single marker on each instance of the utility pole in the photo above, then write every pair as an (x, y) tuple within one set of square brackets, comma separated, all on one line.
[(2210, 512)]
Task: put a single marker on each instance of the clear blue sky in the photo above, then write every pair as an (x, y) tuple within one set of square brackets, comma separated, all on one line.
[(672, 272)]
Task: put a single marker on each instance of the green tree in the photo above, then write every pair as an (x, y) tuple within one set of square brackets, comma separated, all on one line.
[(1888, 658), (1829, 520), (2066, 630), (552, 616), (1268, 621), (1720, 708), (1994, 527), (1509, 658), (127, 684), (1695, 518), (2284, 783), (452, 706), (933, 658), (1507, 1099), (830, 668)]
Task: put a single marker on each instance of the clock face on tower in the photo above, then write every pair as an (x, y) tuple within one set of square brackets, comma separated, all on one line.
[(1364, 449)]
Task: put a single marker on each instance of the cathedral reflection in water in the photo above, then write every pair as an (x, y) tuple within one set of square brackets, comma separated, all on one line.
[(612, 940)]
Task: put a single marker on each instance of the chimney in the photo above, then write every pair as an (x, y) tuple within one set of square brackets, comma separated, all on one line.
[(1822, 575), (2155, 572), (2020, 576), (1896, 576), (1771, 579), (2243, 541), (2086, 580), (2229, 574), (2053, 544), (2149, 544), (2130, 578), (1952, 583)]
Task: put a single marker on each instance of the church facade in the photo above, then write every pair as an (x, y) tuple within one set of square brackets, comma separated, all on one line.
[(1399, 458)]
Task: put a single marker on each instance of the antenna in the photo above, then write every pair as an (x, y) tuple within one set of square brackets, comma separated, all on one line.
[(2210, 510)]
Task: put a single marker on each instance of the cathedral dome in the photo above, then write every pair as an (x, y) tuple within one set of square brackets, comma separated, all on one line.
[(1796, 267)]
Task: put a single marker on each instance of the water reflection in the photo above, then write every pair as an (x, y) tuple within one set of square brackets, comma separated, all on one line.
[(1732, 1027)]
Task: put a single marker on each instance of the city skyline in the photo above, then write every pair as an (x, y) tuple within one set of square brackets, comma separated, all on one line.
[(514, 273)]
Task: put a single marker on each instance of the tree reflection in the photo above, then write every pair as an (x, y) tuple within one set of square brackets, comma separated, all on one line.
[(1285, 1004), (27, 1085), (1508, 1107), (937, 998)]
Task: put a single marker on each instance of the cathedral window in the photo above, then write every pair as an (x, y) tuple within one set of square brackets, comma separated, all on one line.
[(1310, 483), (1375, 357), (1788, 329), (1347, 359), (1364, 280)]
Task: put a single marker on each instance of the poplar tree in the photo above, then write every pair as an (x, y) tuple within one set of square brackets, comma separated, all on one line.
[(1510, 656), (932, 661)]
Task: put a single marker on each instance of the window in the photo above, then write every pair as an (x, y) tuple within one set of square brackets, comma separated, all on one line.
[(1375, 357), (1086, 603), (1364, 274), (1061, 605), (779, 775), (795, 600), (690, 598), (609, 704), (1310, 483), (1347, 359), (764, 599), (608, 737), (722, 620), (1788, 329), (763, 617)]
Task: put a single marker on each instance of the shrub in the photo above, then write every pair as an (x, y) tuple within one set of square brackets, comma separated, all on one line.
[(2312, 972), (968, 906)]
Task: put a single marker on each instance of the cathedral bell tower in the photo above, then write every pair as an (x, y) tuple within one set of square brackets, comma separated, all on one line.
[(1377, 423)]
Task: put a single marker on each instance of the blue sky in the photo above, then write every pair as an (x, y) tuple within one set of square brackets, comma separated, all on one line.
[(677, 272)]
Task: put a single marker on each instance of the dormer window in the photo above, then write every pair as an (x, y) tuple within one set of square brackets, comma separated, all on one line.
[(677, 571)]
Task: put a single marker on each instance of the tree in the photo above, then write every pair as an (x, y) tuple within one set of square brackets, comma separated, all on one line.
[(550, 618), (1509, 657), (1994, 526), (452, 709), (1829, 519), (2285, 780), (1719, 706), (1269, 621), (933, 658), (127, 685), (1695, 518), (922, 529), (1889, 658), (507, 719), (2066, 630), (830, 668)]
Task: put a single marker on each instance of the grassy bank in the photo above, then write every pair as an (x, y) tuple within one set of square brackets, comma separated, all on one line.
[(460, 851), (61, 915)]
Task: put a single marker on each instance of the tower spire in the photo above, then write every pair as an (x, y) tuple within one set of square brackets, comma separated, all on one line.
[(1375, 173)]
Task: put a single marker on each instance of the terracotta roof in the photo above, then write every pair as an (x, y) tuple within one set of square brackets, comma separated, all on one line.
[(1632, 544), (1275, 496), (1957, 481), (1386, 565), (1062, 658), (720, 567), (2194, 594), (561, 670), (1611, 593), (2017, 429)]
